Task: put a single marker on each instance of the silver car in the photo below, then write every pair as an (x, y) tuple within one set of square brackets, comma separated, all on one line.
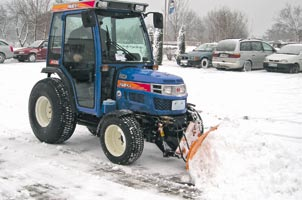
[(241, 54), (287, 59), (6, 51)]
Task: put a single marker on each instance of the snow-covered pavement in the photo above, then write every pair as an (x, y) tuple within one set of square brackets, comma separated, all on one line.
[(255, 153)]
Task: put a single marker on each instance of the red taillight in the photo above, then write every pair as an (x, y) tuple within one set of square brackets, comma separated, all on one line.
[(235, 55), (11, 48), (215, 54)]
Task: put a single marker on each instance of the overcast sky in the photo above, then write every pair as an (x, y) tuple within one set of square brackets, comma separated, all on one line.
[(260, 13)]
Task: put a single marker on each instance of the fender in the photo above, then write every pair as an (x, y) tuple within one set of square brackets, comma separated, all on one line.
[(115, 114), (60, 73)]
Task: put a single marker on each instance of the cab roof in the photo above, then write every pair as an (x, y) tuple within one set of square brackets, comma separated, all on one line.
[(100, 4)]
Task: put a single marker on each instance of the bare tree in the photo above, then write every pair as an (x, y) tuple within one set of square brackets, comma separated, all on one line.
[(290, 19), (31, 19), (225, 23), (183, 16), (3, 22)]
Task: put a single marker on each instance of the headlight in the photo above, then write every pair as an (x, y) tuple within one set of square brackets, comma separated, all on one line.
[(174, 90), (283, 61)]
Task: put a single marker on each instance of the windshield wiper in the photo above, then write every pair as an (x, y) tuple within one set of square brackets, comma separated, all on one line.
[(110, 43)]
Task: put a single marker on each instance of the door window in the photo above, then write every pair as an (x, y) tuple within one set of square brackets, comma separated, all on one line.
[(79, 58), (267, 47), (256, 46)]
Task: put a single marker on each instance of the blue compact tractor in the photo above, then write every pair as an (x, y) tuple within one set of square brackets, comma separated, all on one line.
[(100, 74)]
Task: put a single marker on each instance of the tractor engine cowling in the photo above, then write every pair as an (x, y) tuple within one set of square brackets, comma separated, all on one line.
[(151, 92)]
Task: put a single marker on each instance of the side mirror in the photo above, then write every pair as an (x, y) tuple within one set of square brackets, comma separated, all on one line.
[(88, 18), (158, 20)]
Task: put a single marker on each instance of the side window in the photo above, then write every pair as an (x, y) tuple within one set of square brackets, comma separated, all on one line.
[(245, 46), (79, 45), (55, 38), (267, 47), (256, 46)]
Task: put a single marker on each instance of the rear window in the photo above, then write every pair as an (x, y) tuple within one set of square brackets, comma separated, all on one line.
[(226, 45)]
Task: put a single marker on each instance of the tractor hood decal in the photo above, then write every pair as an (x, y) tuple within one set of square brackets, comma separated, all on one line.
[(149, 76)]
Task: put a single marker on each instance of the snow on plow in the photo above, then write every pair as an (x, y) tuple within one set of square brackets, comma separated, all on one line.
[(191, 141)]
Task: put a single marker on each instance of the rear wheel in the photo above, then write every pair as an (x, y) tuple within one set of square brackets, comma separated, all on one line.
[(247, 66), (2, 58), (121, 139), (51, 115), (32, 57)]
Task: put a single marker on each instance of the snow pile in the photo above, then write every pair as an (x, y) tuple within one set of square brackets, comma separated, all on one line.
[(254, 154)]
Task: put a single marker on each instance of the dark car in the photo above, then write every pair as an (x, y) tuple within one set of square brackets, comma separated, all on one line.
[(199, 57), (36, 51)]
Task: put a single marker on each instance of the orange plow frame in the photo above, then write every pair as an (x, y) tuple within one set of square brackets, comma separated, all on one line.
[(197, 144)]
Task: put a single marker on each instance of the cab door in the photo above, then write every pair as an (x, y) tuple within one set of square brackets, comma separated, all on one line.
[(79, 60)]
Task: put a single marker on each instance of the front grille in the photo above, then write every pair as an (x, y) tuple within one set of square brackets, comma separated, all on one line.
[(162, 104), (140, 98)]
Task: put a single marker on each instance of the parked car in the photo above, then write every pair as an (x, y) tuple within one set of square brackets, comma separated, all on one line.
[(6, 51), (246, 54), (287, 59), (36, 51), (199, 57)]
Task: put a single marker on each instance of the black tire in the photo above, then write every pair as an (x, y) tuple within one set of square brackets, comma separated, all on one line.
[(247, 66), (51, 114), (193, 115), (2, 58), (122, 139), (32, 57), (294, 69), (204, 63)]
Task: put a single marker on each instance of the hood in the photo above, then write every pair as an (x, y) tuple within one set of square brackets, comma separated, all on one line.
[(149, 76), (278, 57)]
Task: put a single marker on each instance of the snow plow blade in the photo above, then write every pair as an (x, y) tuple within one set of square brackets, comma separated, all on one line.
[(197, 144)]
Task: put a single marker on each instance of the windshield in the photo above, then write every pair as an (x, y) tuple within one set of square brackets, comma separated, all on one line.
[(123, 38), (35, 44), (205, 47), (291, 49)]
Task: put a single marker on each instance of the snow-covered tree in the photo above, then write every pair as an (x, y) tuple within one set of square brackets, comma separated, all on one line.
[(158, 46), (181, 41)]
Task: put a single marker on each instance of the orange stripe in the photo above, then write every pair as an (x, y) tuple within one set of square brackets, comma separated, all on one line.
[(73, 6), (134, 85)]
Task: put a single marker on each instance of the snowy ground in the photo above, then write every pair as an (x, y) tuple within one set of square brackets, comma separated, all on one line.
[(255, 153)]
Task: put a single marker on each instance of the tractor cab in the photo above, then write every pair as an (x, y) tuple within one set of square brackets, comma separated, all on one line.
[(91, 41)]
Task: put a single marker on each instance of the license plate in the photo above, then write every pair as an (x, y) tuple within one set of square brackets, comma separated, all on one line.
[(178, 104), (272, 64), (184, 62), (223, 55)]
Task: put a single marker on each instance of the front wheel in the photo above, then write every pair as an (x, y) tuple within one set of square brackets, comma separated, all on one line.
[(51, 114), (294, 69), (121, 139), (2, 58)]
